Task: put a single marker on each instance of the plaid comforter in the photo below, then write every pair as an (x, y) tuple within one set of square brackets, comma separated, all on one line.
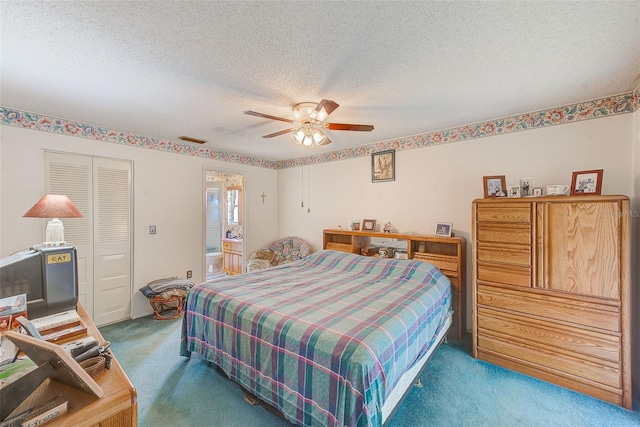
[(323, 339)]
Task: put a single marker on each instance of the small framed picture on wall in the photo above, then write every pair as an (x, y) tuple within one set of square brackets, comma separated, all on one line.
[(383, 166)]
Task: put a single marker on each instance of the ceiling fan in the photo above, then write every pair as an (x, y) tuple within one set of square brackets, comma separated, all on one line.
[(309, 122)]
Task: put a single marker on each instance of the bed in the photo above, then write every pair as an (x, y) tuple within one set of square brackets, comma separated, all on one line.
[(334, 339)]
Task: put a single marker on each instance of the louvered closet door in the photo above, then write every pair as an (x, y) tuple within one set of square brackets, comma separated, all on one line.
[(72, 175), (101, 189), (112, 236)]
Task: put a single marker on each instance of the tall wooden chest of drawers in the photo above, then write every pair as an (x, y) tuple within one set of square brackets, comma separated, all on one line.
[(551, 290)]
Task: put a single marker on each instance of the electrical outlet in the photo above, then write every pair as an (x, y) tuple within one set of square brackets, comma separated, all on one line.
[(189, 274)]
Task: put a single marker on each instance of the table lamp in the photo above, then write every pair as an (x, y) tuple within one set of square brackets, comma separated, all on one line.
[(54, 206)]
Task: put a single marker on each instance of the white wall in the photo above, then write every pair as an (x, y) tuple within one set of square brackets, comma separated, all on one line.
[(168, 192), (438, 183), (434, 184)]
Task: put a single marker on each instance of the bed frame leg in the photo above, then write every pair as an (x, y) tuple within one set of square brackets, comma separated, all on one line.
[(251, 399)]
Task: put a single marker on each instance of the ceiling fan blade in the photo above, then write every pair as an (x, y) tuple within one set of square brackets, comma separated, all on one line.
[(347, 126), (282, 132), (328, 106), (267, 116)]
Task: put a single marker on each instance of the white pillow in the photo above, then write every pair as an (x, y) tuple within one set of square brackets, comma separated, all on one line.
[(257, 264)]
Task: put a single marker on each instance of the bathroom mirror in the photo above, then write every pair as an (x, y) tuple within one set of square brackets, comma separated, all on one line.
[(234, 205)]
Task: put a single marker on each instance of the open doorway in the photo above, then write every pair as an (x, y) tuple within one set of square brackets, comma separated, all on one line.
[(223, 224)]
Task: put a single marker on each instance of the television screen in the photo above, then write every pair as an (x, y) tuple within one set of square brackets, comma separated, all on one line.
[(21, 273), (47, 275)]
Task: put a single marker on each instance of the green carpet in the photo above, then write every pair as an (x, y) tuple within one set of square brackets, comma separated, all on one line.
[(457, 389)]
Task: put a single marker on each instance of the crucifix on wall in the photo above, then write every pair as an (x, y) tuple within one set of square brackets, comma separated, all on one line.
[(263, 196)]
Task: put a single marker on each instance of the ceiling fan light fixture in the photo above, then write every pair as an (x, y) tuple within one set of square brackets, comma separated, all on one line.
[(298, 136), (307, 141), (309, 123), (318, 137), (302, 111), (308, 136)]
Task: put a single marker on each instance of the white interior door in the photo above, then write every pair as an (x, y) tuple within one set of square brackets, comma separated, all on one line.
[(72, 175), (112, 240), (101, 189)]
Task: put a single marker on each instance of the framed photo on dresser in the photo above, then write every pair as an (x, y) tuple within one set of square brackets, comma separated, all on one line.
[(587, 182), (494, 186)]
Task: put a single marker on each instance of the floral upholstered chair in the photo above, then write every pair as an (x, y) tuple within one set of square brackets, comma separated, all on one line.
[(279, 252)]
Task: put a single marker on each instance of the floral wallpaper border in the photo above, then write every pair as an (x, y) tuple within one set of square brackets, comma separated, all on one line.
[(34, 121), (617, 104)]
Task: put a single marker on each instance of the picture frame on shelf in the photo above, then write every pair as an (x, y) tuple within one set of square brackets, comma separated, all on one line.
[(443, 229), (383, 166), (587, 182), (494, 186), (355, 225), (526, 187), (514, 191), (368, 225), (537, 192)]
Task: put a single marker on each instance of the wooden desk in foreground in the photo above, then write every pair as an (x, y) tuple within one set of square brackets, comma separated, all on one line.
[(118, 407)]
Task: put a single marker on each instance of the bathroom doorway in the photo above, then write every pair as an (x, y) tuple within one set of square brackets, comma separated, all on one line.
[(223, 221)]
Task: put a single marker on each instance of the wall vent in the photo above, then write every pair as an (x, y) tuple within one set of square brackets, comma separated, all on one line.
[(190, 139)]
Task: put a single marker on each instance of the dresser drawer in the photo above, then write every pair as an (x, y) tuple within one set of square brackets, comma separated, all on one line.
[(514, 233), (512, 212), (580, 312), (502, 273), (447, 264), (504, 253), (583, 343), (587, 368), (231, 246)]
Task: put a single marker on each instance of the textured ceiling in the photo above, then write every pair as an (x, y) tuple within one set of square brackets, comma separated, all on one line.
[(166, 69)]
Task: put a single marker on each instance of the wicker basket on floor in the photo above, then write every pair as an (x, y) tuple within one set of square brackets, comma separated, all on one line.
[(167, 295), (173, 303)]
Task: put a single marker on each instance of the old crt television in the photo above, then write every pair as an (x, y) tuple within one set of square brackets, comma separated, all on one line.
[(48, 275)]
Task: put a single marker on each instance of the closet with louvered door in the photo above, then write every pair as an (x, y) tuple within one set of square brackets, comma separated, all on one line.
[(551, 290), (101, 189)]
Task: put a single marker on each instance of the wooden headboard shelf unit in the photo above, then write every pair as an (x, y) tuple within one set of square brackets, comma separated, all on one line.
[(446, 253)]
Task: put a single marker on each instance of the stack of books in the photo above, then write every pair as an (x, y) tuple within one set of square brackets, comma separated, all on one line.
[(60, 326), (39, 415)]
